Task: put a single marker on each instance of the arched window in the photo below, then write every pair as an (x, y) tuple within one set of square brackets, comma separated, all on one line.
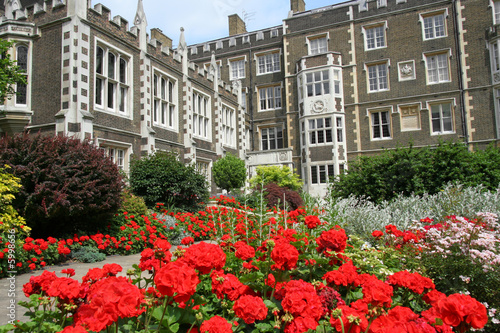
[(22, 62)]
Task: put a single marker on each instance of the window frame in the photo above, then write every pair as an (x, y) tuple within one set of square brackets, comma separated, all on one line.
[(219, 67), (495, 8), (242, 62), (270, 102), (315, 173), (378, 77), (434, 15), (165, 100), (380, 126), (228, 126), (372, 27), (17, 101), (265, 144), (317, 49), (113, 148), (452, 104), (323, 131), (322, 83), (201, 117), (204, 167), (122, 86), (274, 64), (437, 69)]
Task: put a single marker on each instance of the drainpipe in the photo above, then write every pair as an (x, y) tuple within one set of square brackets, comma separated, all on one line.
[(458, 52)]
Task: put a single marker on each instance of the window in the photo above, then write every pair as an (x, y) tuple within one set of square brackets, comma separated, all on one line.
[(237, 69), (164, 105), (228, 126), (380, 125), (270, 98), (320, 130), (203, 168), (201, 115), (375, 37), (495, 56), (442, 118), (437, 68), (318, 83), (377, 77), (244, 98), (22, 62), (218, 67), (336, 81), (117, 156), (321, 174), (111, 80), (496, 12), (410, 117), (317, 44), (272, 138), (340, 129), (434, 25), (268, 63)]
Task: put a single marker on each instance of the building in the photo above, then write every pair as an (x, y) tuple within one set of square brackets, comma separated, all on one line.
[(324, 87)]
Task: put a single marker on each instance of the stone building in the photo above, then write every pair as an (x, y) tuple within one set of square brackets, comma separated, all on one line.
[(322, 88)]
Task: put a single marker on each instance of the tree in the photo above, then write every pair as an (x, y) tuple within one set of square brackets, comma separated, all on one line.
[(67, 185), (10, 74), (162, 178), (229, 172), (283, 176)]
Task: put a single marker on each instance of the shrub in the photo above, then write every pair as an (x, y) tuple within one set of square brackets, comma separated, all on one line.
[(416, 171), (281, 197), (132, 204), (229, 172), (88, 254), (162, 178), (9, 186), (67, 184), (283, 176)]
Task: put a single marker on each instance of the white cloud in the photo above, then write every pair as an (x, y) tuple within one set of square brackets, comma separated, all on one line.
[(205, 20)]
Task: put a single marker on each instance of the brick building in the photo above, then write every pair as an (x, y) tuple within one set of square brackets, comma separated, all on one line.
[(325, 86)]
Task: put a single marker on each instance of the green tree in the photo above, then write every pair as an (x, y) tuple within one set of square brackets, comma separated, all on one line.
[(162, 178), (283, 176), (229, 172), (10, 74)]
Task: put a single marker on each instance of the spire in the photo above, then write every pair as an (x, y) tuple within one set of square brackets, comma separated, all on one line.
[(140, 15), (214, 71), (182, 49), (182, 42)]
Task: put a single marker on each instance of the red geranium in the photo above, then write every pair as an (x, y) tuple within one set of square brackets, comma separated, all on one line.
[(462, 311), (250, 308), (177, 279), (345, 275), (301, 299), (353, 320), (376, 292), (204, 257), (216, 324), (413, 281), (334, 240), (284, 255), (301, 324), (228, 285), (244, 251), (312, 221)]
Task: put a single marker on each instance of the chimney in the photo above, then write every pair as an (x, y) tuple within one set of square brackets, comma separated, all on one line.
[(298, 6), (236, 25), (161, 37)]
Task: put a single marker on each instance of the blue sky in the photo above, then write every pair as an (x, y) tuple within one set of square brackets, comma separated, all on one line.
[(205, 20)]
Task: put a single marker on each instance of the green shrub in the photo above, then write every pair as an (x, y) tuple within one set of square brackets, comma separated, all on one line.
[(418, 171), (283, 176), (229, 172), (67, 184), (9, 186), (88, 254), (132, 204), (162, 178)]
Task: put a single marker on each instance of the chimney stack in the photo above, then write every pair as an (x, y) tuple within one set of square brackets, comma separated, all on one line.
[(236, 25), (298, 6)]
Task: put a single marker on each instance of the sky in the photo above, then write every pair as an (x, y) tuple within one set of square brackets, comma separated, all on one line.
[(205, 20)]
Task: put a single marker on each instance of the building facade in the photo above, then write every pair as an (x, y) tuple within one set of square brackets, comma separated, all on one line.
[(319, 90)]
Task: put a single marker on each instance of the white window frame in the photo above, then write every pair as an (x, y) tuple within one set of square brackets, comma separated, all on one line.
[(495, 55), (434, 70), (317, 44), (442, 119), (122, 90), (320, 131), (270, 97), (323, 173), (202, 115), (165, 100), (268, 62), (430, 31), (239, 72), (495, 7), (270, 139), (372, 33), (380, 130), (204, 167), (316, 84), (228, 117), (118, 152), (377, 76), (339, 128)]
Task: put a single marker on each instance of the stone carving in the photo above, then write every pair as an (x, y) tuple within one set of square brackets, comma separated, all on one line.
[(283, 156), (496, 77), (318, 106)]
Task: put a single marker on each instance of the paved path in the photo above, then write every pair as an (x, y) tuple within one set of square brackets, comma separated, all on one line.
[(12, 289)]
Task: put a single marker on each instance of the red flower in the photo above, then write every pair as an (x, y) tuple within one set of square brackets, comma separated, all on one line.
[(250, 308), (376, 292), (74, 329), (301, 324), (334, 240), (301, 299), (216, 324), (345, 275), (244, 251), (458, 309), (65, 288), (354, 321), (228, 285), (178, 280), (413, 281), (187, 240), (377, 234), (204, 257), (312, 221), (284, 255)]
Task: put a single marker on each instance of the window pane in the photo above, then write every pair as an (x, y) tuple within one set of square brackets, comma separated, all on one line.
[(98, 91), (322, 174), (314, 174), (111, 65), (99, 60), (123, 70), (111, 95), (22, 58)]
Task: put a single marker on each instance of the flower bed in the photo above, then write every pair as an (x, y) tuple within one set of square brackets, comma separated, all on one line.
[(289, 273)]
